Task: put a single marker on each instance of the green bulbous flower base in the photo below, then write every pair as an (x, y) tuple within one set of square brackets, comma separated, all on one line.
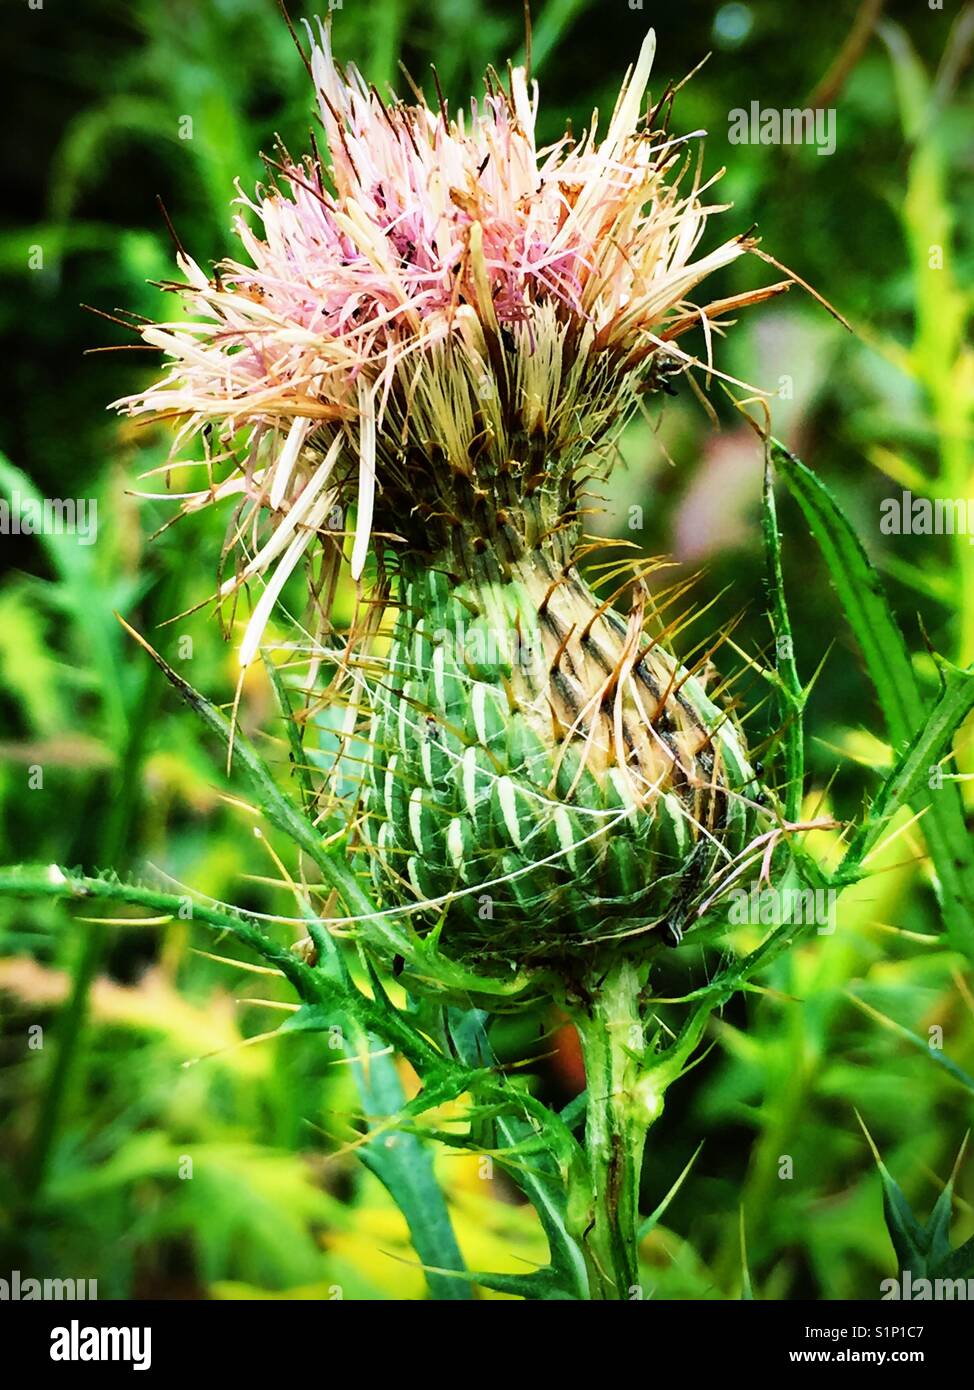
[(542, 777)]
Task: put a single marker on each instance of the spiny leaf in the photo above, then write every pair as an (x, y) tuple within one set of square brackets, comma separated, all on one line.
[(888, 662), (923, 1250), (791, 696), (909, 779), (403, 1164), (540, 1182), (653, 1220), (313, 986), (539, 1284), (910, 1241)]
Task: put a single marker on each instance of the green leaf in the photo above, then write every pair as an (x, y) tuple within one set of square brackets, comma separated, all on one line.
[(908, 781), (540, 1284), (909, 1239), (656, 1216), (861, 593), (540, 1181), (867, 610), (315, 987), (791, 696), (310, 1018), (923, 1250), (403, 1164), (959, 1264)]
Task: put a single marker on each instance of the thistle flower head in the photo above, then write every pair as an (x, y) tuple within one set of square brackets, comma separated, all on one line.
[(432, 336), (444, 300)]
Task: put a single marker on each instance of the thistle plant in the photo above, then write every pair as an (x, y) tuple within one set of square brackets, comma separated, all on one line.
[(509, 786), (441, 334)]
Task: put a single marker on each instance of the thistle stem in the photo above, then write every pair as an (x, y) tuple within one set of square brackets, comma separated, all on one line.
[(619, 1113)]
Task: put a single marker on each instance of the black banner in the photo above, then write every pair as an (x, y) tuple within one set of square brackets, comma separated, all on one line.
[(175, 1339)]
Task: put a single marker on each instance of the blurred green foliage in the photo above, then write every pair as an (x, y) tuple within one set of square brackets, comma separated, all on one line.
[(99, 1122)]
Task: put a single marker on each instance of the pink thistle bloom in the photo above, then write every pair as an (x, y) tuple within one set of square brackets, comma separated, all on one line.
[(450, 293)]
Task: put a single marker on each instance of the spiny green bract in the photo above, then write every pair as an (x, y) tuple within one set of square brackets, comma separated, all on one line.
[(539, 782)]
